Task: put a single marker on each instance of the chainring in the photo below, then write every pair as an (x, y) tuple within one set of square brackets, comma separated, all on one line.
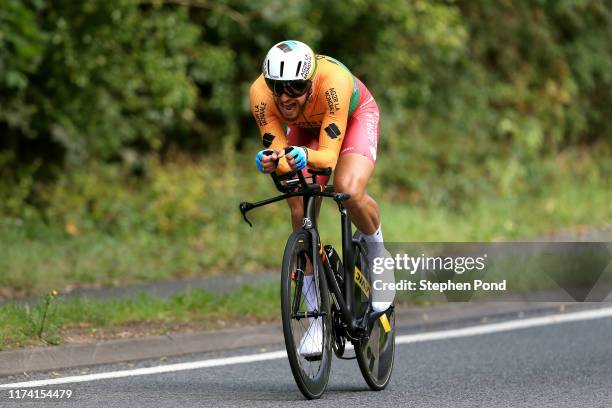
[(339, 339)]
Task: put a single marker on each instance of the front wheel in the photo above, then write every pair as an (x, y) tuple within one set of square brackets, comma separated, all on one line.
[(376, 353), (310, 369)]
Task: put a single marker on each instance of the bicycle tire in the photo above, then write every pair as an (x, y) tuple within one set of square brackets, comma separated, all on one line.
[(311, 376), (376, 354)]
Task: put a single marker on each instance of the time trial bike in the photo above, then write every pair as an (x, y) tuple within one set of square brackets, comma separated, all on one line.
[(343, 289)]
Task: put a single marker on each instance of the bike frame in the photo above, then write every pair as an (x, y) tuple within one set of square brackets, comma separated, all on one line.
[(356, 326), (345, 300)]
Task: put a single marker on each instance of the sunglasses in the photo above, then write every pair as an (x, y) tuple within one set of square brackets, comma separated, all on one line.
[(294, 89)]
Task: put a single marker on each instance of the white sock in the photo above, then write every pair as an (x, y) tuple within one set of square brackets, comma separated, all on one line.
[(377, 236), (375, 250), (309, 293), (381, 300)]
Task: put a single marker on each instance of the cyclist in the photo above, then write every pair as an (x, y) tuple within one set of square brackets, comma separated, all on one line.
[(332, 121)]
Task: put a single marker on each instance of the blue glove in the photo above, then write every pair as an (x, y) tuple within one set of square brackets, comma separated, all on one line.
[(300, 154), (258, 158)]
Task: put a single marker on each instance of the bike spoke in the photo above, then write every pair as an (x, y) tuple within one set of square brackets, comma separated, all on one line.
[(300, 327)]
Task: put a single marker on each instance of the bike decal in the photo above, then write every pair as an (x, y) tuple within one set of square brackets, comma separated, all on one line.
[(362, 282), (384, 321)]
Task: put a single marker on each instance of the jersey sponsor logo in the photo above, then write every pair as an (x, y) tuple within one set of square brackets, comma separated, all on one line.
[(372, 128), (332, 131), (331, 96), (260, 113), (267, 139)]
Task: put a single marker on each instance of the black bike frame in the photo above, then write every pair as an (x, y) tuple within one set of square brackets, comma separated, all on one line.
[(356, 326), (344, 302)]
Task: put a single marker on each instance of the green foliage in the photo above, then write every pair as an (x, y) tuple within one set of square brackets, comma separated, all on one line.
[(92, 77), (473, 94), (100, 101), (554, 65)]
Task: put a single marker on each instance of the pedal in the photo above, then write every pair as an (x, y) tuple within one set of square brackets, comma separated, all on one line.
[(373, 316)]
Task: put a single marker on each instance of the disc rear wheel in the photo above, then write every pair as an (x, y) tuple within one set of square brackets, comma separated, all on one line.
[(375, 354)]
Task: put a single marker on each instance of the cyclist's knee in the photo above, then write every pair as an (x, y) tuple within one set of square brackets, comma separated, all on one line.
[(355, 186)]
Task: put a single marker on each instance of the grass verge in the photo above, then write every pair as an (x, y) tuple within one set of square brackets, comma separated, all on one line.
[(54, 320)]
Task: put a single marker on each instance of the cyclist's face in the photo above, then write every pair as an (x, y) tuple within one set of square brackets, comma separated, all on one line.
[(290, 108)]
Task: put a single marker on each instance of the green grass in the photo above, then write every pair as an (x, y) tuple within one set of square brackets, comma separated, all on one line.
[(562, 207), (20, 325)]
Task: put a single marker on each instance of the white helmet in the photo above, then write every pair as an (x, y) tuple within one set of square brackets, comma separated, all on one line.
[(289, 61)]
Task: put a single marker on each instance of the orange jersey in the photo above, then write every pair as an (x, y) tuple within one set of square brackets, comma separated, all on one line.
[(334, 97)]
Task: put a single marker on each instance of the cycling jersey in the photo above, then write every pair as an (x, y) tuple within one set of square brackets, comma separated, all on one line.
[(336, 97)]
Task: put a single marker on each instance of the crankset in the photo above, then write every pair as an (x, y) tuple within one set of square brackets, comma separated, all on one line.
[(339, 337)]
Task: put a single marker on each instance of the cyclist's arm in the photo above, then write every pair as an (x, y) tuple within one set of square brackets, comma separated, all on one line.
[(272, 133), (333, 126)]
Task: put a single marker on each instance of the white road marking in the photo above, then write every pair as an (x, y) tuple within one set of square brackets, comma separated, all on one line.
[(152, 370), (506, 326), (405, 339)]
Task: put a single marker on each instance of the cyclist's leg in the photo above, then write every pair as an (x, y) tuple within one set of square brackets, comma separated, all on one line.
[(352, 174), (353, 171), (356, 163)]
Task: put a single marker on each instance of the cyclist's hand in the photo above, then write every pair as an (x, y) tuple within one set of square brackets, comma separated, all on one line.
[(297, 157), (266, 161)]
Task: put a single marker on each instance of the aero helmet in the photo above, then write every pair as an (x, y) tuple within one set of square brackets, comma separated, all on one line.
[(289, 67)]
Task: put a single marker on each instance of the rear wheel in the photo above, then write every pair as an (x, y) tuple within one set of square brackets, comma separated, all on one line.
[(311, 373), (376, 353)]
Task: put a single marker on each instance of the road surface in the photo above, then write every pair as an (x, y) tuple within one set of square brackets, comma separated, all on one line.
[(525, 362)]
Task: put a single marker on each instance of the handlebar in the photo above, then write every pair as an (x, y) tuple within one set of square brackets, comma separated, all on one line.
[(289, 185), (294, 187)]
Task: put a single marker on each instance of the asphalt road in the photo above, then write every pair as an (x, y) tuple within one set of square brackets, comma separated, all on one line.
[(567, 364)]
